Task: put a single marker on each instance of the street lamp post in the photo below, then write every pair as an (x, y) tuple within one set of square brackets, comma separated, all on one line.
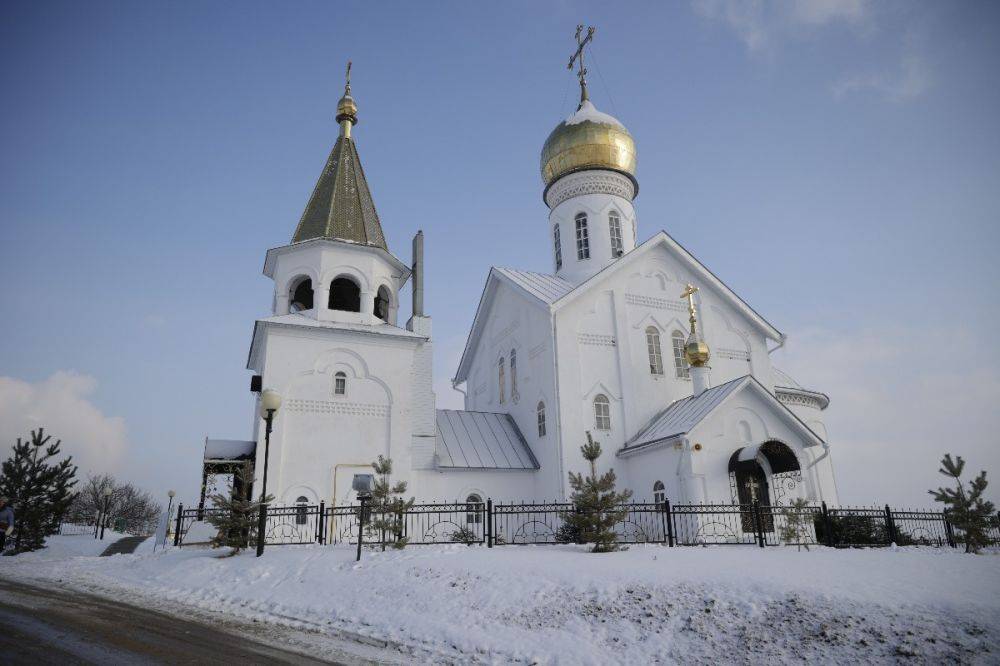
[(270, 401), (107, 507)]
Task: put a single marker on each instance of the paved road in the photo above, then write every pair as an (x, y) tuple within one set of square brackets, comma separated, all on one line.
[(46, 626)]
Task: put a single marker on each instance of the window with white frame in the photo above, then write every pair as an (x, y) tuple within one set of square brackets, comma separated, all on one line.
[(302, 510), (501, 381), (680, 362), (615, 225), (541, 418), (653, 350), (602, 412), (582, 237), (558, 243), (473, 509), (659, 495)]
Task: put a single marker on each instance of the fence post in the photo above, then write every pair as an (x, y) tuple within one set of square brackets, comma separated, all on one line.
[(177, 528), (361, 526), (261, 529), (758, 523), (827, 525), (890, 527), (489, 522), (947, 529), (319, 523), (670, 523)]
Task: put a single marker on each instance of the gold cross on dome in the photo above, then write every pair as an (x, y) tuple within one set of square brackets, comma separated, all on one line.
[(689, 293), (578, 56), (347, 85)]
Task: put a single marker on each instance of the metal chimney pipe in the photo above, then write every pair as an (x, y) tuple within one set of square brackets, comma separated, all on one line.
[(418, 274)]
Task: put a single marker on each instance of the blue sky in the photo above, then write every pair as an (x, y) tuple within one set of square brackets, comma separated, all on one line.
[(836, 163)]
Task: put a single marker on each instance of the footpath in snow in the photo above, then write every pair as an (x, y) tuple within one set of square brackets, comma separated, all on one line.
[(565, 605)]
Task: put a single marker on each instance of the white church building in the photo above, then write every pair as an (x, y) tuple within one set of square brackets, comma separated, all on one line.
[(639, 344)]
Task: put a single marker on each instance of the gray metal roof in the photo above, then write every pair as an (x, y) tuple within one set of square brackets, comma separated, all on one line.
[(481, 440), (683, 415), (548, 288)]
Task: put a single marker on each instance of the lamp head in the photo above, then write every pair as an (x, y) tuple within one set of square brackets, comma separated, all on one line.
[(170, 494), (107, 491), (270, 401)]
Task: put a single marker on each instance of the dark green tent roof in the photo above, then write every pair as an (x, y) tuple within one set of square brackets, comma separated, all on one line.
[(341, 206)]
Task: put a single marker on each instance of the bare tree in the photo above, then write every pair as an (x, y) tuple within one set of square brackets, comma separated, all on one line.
[(137, 508)]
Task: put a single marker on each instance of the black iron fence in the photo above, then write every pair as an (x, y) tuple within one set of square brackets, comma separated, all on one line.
[(546, 523)]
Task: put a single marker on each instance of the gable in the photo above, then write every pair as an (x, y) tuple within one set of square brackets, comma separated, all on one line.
[(535, 289), (685, 415), (662, 242)]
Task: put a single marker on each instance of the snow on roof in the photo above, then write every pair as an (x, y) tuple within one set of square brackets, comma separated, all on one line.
[(683, 415), (481, 440), (588, 111), (298, 319), (229, 449), (548, 288)]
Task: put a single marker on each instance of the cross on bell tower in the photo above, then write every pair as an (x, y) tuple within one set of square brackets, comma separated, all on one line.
[(578, 57)]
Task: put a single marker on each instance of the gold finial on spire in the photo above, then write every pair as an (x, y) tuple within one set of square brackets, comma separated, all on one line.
[(582, 72), (695, 350), (347, 110)]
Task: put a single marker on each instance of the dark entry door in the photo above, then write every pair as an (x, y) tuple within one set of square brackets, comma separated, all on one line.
[(751, 486)]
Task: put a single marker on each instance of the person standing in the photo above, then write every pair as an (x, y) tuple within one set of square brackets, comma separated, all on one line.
[(6, 522)]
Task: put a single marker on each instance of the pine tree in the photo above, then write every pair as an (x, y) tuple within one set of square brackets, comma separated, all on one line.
[(597, 506), (388, 505), (967, 510), (40, 489), (797, 522), (234, 513)]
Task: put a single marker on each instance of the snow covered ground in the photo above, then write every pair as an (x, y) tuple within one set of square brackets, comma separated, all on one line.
[(562, 604)]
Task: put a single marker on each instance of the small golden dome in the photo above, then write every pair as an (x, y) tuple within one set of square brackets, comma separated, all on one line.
[(696, 352), (588, 139), (347, 109)]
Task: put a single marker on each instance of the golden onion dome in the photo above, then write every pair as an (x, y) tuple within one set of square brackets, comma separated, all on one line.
[(347, 109), (588, 139), (696, 352)]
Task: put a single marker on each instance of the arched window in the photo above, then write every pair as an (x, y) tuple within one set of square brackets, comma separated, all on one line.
[(582, 237), (541, 419), (301, 510), (615, 225), (473, 509), (345, 295), (653, 350), (301, 296), (680, 362), (602, 412), (381, 308), (558, 243), (659, 496), (513, 375), (500, 378), (340, 383)]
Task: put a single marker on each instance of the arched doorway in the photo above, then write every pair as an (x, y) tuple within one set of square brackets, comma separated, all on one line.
[(767, 473)]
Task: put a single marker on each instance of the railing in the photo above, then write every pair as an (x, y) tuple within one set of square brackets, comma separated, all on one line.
[(546, 523)]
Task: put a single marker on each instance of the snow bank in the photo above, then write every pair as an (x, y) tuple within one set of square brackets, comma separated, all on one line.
[(61, 546), (562, 604)]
